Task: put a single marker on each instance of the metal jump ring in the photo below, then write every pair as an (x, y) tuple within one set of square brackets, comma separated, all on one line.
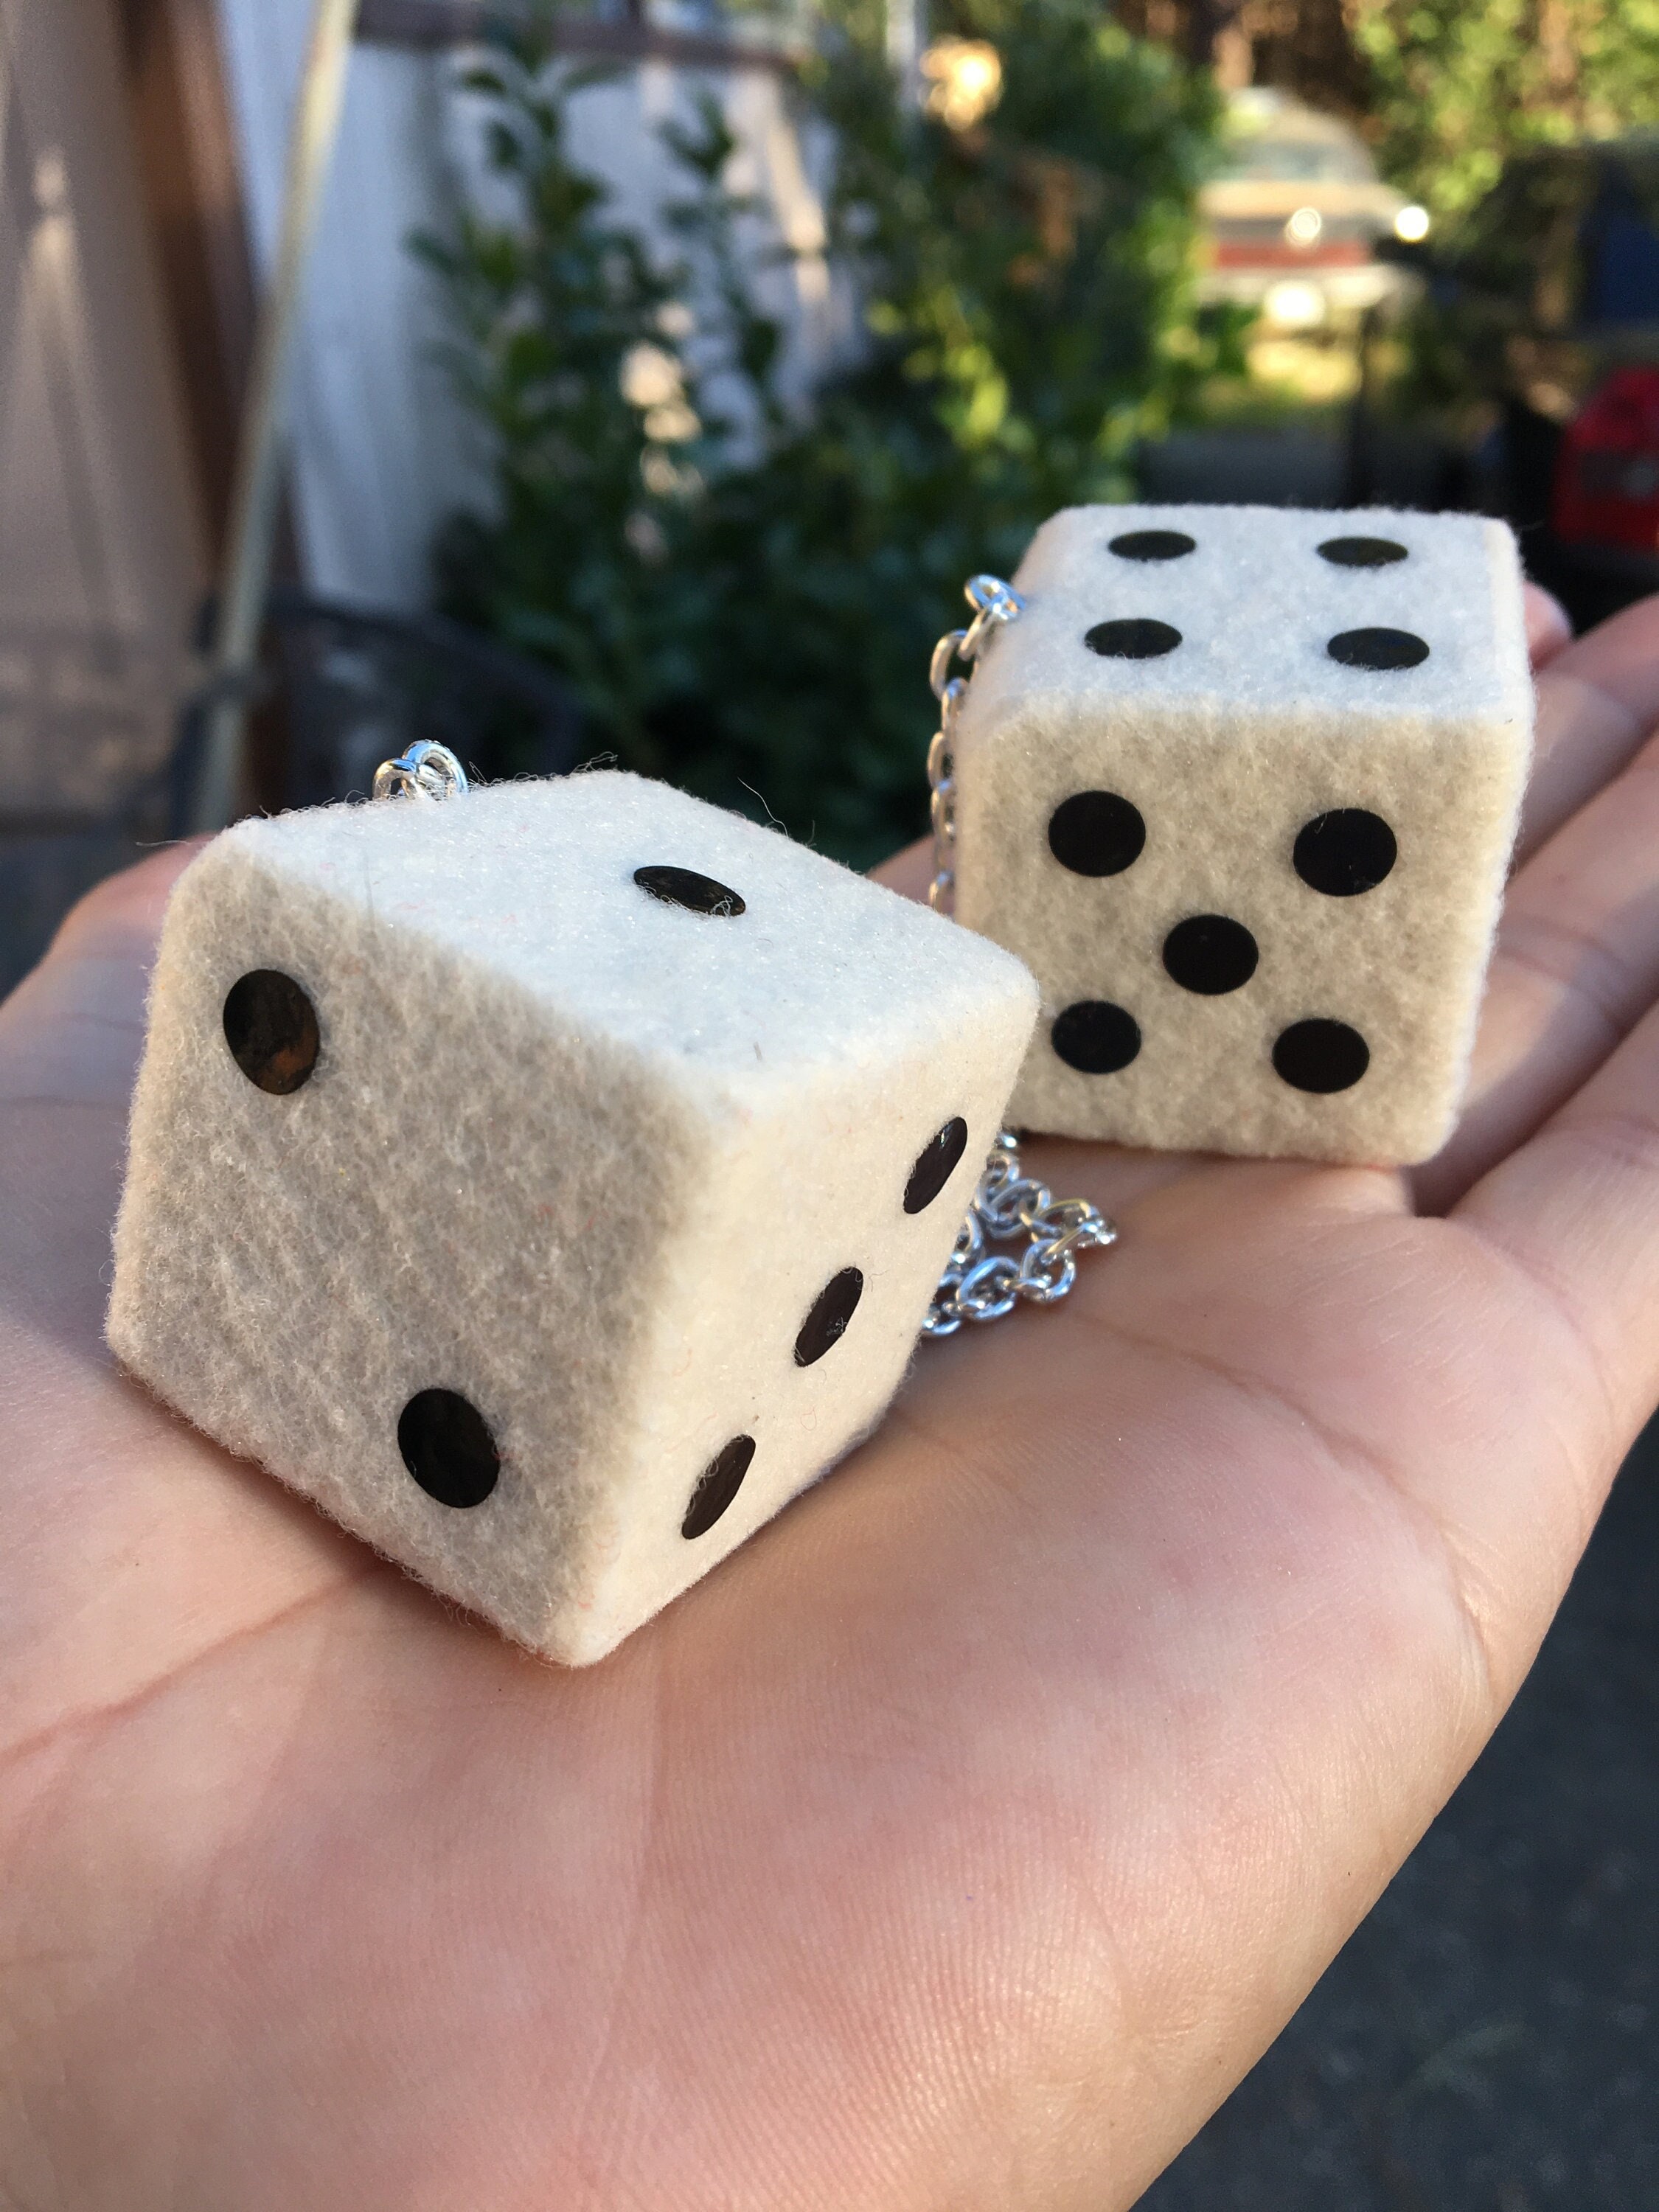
[(425, 771)]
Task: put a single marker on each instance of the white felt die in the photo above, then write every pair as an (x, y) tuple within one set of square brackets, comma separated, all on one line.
[(1240, 786), (549, 1227)]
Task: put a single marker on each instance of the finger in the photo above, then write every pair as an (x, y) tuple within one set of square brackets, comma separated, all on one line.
[(133, 1544), (1598, 700), (1577, 966), (1577, 1208), (1547, 628), (909, 873), (72, 1031)]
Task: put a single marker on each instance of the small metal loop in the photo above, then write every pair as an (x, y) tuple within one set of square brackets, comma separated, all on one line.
[(1072, 1224), (970, 1245), (1013, 1206), (426, 770), (1046, 1274), (993, 603), (944, 654), (990, 1290), (989, 597)]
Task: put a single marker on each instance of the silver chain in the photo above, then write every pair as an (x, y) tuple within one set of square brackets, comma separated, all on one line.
[(978, 1285), (993, 602), (982, 1285)]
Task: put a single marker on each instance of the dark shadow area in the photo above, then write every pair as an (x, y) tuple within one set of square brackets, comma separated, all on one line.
[(1489, 2039)]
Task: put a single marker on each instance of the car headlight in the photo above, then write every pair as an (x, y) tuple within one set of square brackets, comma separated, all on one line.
[(1292, 304)]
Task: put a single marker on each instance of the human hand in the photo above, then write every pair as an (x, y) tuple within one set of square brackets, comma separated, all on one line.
[(961, 1839)]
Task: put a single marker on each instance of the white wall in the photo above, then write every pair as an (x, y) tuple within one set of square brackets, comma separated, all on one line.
[(379, 451), (101, 559)]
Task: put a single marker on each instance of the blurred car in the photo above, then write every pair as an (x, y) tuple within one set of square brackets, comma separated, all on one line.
[(1291, 221), (1605, 495), (1546, 298)]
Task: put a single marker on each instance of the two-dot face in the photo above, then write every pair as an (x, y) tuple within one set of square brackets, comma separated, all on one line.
[(1339, 852), (272, 1031)]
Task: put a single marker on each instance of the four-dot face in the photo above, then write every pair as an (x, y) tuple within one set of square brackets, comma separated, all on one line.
[(1142, 638), (1340, 854)]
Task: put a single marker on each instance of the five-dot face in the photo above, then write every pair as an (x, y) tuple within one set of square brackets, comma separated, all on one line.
[(1341, 853)]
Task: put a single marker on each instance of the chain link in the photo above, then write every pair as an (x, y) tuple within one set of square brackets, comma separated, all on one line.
[(979, 1284), (993, 603), (425, 771)]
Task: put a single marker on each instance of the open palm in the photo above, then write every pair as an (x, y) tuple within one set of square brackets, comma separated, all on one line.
[(960, 1842)]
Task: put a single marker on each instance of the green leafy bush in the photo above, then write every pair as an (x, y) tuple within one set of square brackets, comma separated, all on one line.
[(745, 603), (1457, 87)]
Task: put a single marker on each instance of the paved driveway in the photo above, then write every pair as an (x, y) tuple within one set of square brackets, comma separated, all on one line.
[(1489, 2040)]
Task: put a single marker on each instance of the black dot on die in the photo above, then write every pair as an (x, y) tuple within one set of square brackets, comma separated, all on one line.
[(936, 1163), (1321, 1056), (717, 1485), (685, 887), (270, 1026), (1210, 954), (447, 1448), (1361, 552), (832, 1307), (1136, 638), (1096, 833), (1377, 649), (1344, 852), (1095, 1036), (1152, 545)]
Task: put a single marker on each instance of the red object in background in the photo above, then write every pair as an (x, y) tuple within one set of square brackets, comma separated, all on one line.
[(1279, 253), (1607, 473)]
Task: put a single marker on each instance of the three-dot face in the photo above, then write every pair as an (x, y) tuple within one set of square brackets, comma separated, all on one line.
[(1341, 853), (274, 1036), (827, 1323)]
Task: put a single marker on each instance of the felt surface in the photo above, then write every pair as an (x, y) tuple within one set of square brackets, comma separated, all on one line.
[(1228, 746), (584, 1156)]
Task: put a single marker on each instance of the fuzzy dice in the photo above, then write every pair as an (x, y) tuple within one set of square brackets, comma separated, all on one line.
[(1240, 786), (549, 1181)]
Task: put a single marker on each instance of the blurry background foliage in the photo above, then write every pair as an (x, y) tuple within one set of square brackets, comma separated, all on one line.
[(1457, 86), (742, 594)]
